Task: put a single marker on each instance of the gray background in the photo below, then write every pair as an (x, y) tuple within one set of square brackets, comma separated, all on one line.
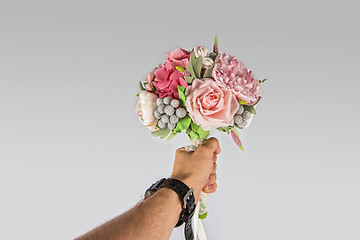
[(73, 153)]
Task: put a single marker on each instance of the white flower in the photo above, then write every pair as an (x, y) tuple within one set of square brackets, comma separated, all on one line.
[(203, 52), (200, 51), (146, 107), (207, 62)]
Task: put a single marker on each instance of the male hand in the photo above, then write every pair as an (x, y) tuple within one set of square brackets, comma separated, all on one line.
[(198, 169)]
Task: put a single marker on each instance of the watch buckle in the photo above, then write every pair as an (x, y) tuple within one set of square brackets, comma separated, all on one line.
[(187, 196)]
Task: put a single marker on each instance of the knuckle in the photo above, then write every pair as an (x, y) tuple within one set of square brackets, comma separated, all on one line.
[(178, 151), (214, 141), (203, 149)]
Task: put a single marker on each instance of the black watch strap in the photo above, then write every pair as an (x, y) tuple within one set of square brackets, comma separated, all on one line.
[(186, 195), (188, 231), (153, 188)]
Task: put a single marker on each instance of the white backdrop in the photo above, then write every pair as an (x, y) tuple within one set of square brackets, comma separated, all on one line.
[(73, 154)]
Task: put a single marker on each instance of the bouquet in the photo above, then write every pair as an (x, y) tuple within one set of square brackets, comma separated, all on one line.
[(196, 92)]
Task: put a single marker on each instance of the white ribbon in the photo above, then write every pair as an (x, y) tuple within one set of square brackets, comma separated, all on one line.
[(198, 228)]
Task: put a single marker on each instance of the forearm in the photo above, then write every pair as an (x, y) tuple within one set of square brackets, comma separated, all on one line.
[(154, 218)]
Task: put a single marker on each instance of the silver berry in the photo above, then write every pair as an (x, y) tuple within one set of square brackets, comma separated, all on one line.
[(180, 112), (161, 124), (161, 109), (159, 101), (165, 118), (240, 110), (242, 124), (175, 103), (167, 101), (171, 126), (238, 119), (174, 119), (246, 115), (157, 114), (169, 110)]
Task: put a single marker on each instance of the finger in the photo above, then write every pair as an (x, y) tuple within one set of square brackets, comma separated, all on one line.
[(182, 151), (212, 179), (210, 188), (214, 157), (212, 144), (214, 168)]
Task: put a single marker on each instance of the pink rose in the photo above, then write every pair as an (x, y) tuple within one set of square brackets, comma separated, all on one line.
[(167, 78), (179, 57), (210, 105), (235, 76)]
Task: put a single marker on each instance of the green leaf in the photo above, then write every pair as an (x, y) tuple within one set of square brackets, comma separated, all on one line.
[(208, 72), (197, 65), (221, 129), (225, 129), (189, 67), (189, 79), (141, 87), (181, 91), (181, 69), (200, 132), (242, 102), (183, 124), (216, 40), (138, 95), (239, 127), (162, 133), (194, 126), (194, 66), (259, 98), (250, 109), (171, 136), (188, 130), (262, 81), (202, 216), (193, 135)]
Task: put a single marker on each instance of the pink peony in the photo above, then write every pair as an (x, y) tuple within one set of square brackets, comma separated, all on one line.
[(179, 57), (235, 76), (167, 78), (210, 105)]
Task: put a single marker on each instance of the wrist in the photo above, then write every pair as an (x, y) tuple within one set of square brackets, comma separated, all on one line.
[(172, 196), (185, 195)]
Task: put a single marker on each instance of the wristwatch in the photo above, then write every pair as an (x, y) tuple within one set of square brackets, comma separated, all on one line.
[(186, 194)]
